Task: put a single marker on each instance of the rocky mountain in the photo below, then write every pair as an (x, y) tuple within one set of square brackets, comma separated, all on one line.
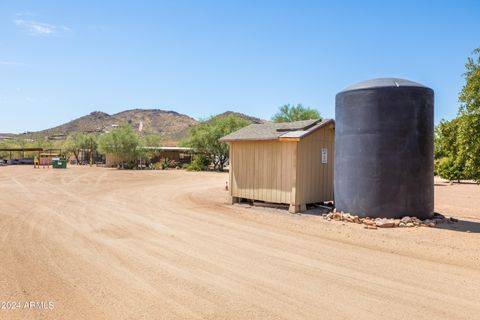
[(170, 125)]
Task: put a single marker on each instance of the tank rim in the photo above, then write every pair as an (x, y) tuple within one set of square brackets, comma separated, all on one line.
[(384, 83)]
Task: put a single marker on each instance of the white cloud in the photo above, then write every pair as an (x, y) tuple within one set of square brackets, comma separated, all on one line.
[(39, 28), (9, 63)]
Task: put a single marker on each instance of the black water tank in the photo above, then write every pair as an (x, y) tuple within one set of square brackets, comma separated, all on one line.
[(384, 149)]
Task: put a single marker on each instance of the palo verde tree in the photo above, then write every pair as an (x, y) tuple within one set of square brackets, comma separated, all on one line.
[(288, 113), (122, 142), (204, 138), (77, 142), (151, 140), (90, 145)]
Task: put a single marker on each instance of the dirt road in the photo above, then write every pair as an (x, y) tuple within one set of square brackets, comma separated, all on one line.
[(106, 244)]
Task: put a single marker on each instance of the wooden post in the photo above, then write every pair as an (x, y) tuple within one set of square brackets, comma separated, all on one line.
[(297, 208), (293, 208)]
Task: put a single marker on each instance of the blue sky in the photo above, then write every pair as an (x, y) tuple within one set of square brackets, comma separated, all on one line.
[(62, 59)]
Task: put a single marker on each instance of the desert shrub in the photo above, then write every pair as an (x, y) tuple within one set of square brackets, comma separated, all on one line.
[(172, 164), (158, 165), (194, 167), (199, 163), (130, 165)]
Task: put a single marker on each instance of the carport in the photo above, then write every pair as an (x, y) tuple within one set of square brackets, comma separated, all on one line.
[(22, 150)]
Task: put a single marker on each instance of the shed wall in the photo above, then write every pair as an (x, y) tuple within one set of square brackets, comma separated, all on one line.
[(263, 170), (315, 179)]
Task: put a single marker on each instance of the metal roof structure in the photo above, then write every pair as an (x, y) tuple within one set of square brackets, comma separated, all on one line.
[(274, 131), (21, 149), (169, 148)]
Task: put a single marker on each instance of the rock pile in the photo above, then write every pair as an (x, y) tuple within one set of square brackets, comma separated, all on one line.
[(405, 222)]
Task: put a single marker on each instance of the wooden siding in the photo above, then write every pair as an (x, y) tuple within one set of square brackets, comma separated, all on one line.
[(315, 179), (263, 170), (287, 172)]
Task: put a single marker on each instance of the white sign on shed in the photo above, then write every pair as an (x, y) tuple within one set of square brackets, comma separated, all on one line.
[(324, 155)]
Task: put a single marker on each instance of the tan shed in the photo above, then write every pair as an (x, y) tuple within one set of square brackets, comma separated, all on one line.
[(288, 163)]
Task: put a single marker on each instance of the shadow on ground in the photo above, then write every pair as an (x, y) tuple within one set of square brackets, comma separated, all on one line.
[(461, 226), (316, 211), (451, 183)]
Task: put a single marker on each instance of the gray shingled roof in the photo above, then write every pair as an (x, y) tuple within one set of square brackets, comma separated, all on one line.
[(273, 131)]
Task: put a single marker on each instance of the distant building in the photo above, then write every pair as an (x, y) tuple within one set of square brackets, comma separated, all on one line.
[(180, 155), (60, 136)]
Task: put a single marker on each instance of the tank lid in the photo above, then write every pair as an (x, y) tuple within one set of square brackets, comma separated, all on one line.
[(382, 83)]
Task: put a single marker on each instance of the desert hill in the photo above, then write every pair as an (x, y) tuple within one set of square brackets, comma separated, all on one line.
[(170, 125)]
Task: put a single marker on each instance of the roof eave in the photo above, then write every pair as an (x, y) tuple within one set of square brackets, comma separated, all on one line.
[(307, 132), (283, 137), (253, 139)]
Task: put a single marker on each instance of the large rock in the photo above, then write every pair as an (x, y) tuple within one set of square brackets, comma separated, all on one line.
[(385, 223), (369, 222), (406, 219)]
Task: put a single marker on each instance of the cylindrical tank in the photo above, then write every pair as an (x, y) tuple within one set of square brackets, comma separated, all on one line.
[(384, 149)]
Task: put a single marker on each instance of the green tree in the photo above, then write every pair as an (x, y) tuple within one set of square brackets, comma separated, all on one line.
[(151, 140), (449, 162), (446, 138), (122, 142), (147, 141), (469, 113), (288, 113), (204, 138), (5, 144), (77, 142), (90, 144), (457, 142)]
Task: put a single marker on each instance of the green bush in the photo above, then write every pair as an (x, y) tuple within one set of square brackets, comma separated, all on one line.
[(194, 167), (449, 169), (199, 163), (158, 165), (130, 165), (172, 164)]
